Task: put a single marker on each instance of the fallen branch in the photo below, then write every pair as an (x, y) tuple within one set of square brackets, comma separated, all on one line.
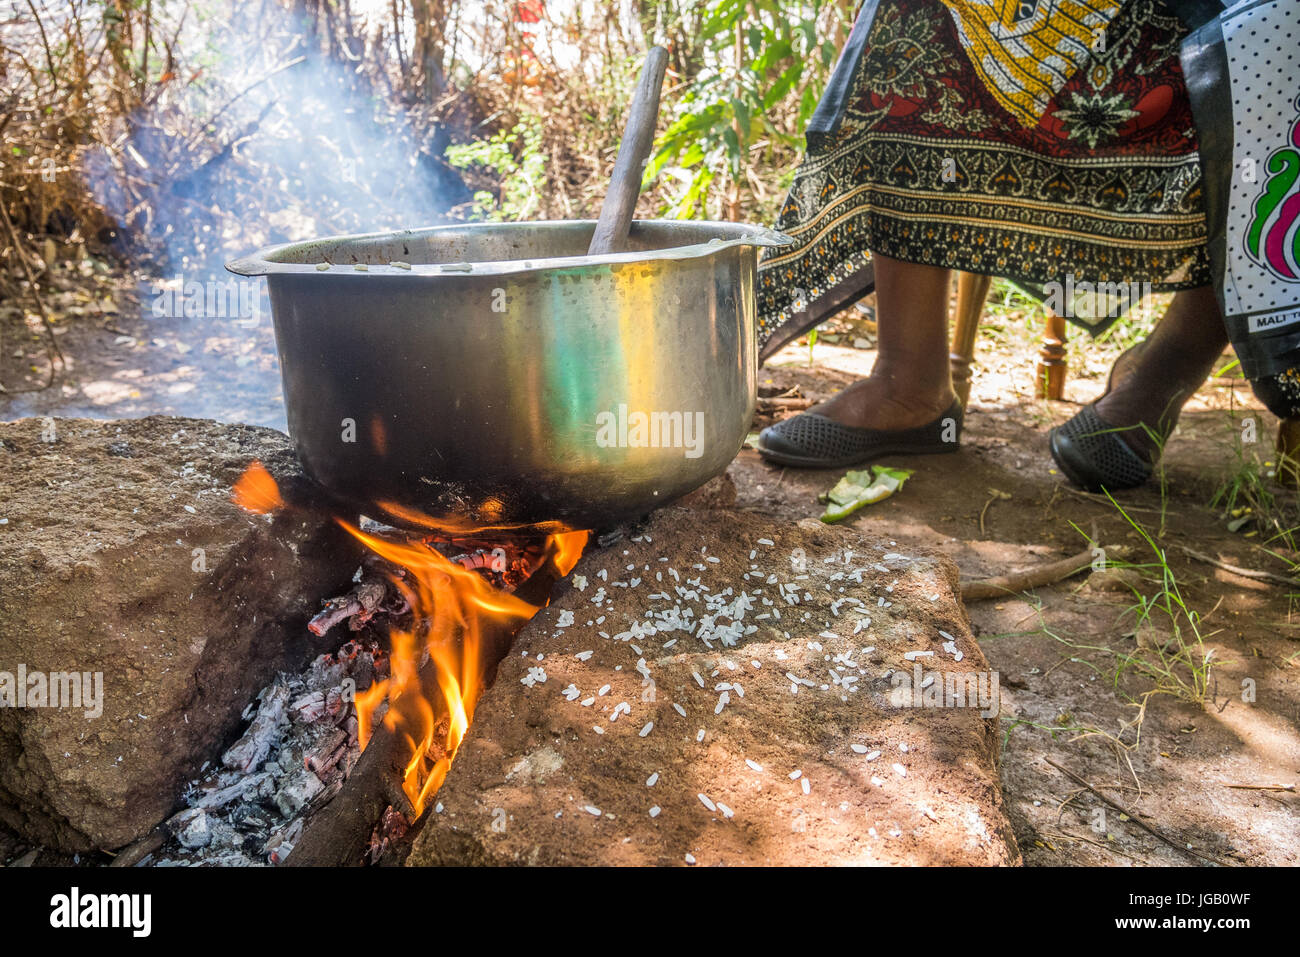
[(1102, 500), (1133, 817), (1262, 787), (783, 403), (1251, 573), (1010, 584), (1105, 847), (133, 854)]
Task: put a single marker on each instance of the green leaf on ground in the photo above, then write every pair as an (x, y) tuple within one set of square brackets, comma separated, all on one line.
[(860, 488)]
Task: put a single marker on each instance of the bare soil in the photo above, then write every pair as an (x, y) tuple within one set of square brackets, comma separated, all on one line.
[(1177, 763)]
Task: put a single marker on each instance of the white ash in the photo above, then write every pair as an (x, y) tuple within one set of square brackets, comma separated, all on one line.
[(249, 808)]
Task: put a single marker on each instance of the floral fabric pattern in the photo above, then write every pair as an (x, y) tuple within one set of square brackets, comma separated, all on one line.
[(925, 165)]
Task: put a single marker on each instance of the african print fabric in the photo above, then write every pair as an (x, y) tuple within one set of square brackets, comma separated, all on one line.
[(1026, 50), (911, 156)]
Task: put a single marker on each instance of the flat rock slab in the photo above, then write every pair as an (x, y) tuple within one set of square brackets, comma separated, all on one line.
[(798, 743), (122, 554)]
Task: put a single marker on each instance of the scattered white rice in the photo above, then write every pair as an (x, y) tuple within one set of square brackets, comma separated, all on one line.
[(704, 799), (753, 765)]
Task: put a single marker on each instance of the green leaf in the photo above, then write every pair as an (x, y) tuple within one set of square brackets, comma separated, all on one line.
[(807, 105), (742, 116), (781, 87), (733, 149), (857, 489)]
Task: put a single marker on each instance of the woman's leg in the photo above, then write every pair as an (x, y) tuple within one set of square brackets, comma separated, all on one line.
[(1150, 388), (909, 384)]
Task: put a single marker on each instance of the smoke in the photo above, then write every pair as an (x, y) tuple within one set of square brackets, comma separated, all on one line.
[(267, 133), (275, 140)]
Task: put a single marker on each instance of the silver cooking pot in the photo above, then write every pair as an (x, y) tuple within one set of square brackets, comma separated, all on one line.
[(494, 375)]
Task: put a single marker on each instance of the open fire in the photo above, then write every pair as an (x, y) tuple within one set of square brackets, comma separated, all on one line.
[(451, 602), (438, 664)]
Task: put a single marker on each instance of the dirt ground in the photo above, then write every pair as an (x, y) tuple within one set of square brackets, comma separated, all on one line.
[(1066, 698), (1219, 773), (122, 361)]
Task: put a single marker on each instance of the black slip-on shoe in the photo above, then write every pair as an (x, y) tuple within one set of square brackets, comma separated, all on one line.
[(813, 441), (1093, 456)]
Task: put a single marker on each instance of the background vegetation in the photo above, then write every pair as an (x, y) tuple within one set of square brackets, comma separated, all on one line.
[(179, 131)]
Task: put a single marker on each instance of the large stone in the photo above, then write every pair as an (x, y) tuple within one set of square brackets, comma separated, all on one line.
[(121, 553), (541, 779)]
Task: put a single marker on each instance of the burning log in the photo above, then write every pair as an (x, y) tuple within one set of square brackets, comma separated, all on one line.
[(420, 701), (392, 828), (317, 705), (358, 605), (506, 566), (332, 751), (339, 832), (251, 750)]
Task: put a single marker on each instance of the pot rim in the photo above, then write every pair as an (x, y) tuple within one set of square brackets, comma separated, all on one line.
[(264, 262)]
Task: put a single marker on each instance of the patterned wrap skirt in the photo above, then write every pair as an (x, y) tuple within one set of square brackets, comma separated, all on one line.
[(911, 156)]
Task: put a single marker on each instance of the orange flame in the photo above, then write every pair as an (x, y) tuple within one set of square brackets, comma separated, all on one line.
[(256, 491), (453, 607)]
